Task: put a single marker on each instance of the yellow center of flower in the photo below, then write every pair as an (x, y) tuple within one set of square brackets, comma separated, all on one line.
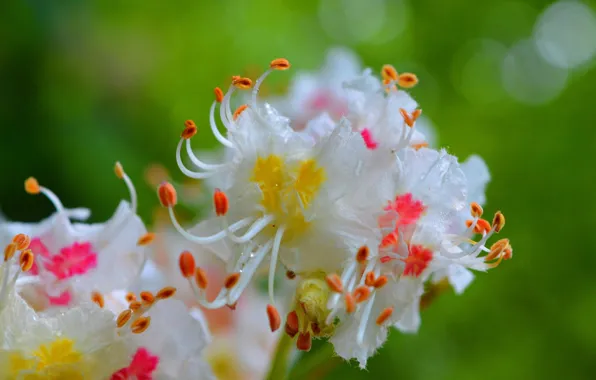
[(288, 190), (56, 360)]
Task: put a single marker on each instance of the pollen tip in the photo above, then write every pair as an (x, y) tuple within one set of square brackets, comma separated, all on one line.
[(9, 251), (242, 83), (384, 315), (361, 294), (292, 323), (304, 342), (334, 283), (135, 305), (231, 280), (146, 239), (130, 297), (362, 254), (201, 278), (482, 226), (140, 325), (274, 318), (186, 262), (350, 303), (280, 64), (239, 111), (123, 317), (22, 241), (220, 201), (498, 221), (388, 72), (407, 80), (218, 94), (380, 282), (476, 210), (290, 274), (190, 129), (416, 114), (97, 298), (165, 293), (369, 279), (32, 186), (119, 170), (167, 194), (147, 297), (26, 260), (407, 117), (419, 145)]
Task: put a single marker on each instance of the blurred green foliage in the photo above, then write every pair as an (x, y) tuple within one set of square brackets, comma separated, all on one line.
[(83, 84)]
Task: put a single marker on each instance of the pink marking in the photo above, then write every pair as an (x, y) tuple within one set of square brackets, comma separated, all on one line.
[(75, 260), (409, 210), (385, 259), (320, 102), (417, 260), (369, 141), (141, 367), (39, 250), (62, 300)]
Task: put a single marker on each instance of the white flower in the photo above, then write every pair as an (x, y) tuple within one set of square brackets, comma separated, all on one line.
[(72, 260), (78, 343)]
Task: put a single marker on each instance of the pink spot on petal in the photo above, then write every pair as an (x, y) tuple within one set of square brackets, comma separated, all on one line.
[(417, 260), (62, 300), (141, 367), (408, 210), (40, 251), (74, 260), (385, 259), (369, 141)]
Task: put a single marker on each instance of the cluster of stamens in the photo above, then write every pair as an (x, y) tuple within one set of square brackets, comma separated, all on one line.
[(135, 317), (19, 250)]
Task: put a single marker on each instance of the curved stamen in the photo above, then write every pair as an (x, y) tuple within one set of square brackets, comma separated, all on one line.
[(187, 172), (273, 263), (215, 130), (364, 319), (248, 273), (254, 230), (206, 239), (255, 89), (225, 113), (131, 187), (200, 164)]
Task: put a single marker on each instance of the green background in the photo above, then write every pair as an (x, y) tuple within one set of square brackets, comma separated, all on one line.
[(83, 84)]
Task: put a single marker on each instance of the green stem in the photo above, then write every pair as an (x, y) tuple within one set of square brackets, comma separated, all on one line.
[(309, 365), (279, 367)]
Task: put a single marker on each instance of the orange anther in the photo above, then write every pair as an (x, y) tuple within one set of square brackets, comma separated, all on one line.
[(123, 317), (242, 83), (350, 303), (290, 275), (119, 170), (292, 324), (362, 254), (201, 278), (32, 186), (140, 325), (384, 315), (186, 262), (274, 318), (407, 80), (146, 239), (98, 299), (389, 240), (218, 94), (280, 64), (482, 226), (9, 251), (469, 223), (369, 280), (231, 280), (165, 293), (497, 249), (22, 241), (498, 221), (220, 201), (476, 210), (334, 283), (508, 253), (147, 297), (135, 305), (361, 294), (130, 297), (239, 110), (407, 118), (167, 194), (389, 73), (304, 342), (26, 260), (419, 145), (190, 129), (380, 282), (416, 114)]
